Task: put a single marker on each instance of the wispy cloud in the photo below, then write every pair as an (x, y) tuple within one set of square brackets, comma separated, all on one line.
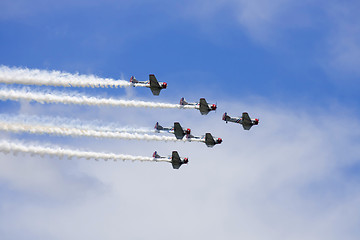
[(289, 177), (344, 39), (273, 24)]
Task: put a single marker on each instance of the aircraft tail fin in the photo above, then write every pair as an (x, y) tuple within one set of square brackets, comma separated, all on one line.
[(158, 127), (226, 117), (156, 155), (133, 80), (183, 101)]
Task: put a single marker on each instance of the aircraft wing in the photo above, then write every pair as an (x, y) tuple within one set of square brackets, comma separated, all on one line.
[(153, 81), (209, 140), (178, 131), (154, 85), (246, 127), (247, 124), (175, 160), (155, 91), (204, 107)]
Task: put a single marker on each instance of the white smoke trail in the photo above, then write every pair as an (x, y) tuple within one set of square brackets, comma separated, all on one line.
[(8, 147), (17, 95), (71, 123), (74, 132), (55, 78)]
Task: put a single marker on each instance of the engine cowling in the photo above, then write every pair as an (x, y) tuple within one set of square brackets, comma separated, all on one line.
[(186, 160), (213, 107), (219, 140), (188, 131), (164, 85), (256, 121)]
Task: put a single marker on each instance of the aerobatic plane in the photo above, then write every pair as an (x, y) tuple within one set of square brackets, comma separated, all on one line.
[(245, 120), (152, 83), (210, 141), (203, 106), (176, 129), (175, 159)]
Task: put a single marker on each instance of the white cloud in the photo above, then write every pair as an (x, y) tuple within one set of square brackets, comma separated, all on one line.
[(344, 42), (273, 24), (286, 178), (264, 21)]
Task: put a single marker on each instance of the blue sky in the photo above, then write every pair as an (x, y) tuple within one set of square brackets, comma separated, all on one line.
[(288, 50), (294, 65)]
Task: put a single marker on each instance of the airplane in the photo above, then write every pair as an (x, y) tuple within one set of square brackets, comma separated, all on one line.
[(210, 141), (175, 159), (203, 106), (153, 84), (245, 120), (177, 130)]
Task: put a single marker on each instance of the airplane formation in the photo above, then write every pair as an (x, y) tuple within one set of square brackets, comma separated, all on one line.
[(39, 77), (181, 132)]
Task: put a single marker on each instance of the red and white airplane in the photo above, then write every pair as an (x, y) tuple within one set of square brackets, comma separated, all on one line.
[(174, 159), (203, 106), (244, 120), (152, 83), (210, 141)]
